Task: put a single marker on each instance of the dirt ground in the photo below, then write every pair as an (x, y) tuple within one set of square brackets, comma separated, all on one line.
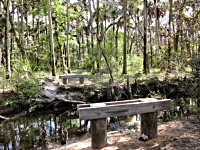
[(182, 134)]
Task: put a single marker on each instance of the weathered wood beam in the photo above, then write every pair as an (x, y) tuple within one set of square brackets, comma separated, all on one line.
[(65, 77), (71, 76), (140, 106)]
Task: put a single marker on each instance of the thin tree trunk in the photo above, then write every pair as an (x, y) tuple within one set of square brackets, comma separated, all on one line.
[(169, 36), (51, 40), (12, 34), (125, 38), (27, 29), (18, 24), (67, 46), (1, 43), (8, 68), (156, 14), (92, 38), (97, 34), (83, 46), (145, 39), (60, 52), (38, 48), (136, 34), (22, 30), (131, 46), (150, 38), (0, 54), (116, 43)]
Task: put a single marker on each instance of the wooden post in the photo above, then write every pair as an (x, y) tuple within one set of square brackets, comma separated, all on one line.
[(149, 124), (99, 133), (65, 81), (81, 80)]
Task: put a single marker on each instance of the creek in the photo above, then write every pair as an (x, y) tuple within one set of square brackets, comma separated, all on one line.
[(34, 131), (42, 130), (39, 129)]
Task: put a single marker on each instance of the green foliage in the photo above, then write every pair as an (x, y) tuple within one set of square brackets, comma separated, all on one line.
[(4, 83), (27, 86), (134, 64), (22, 80)]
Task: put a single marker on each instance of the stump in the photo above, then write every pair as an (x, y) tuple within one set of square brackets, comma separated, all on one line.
[(99, 133), (149, 124)]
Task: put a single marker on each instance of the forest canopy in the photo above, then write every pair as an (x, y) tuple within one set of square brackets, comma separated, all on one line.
[(109, 36)]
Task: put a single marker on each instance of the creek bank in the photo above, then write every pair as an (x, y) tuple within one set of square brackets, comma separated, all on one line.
[(58, 97)]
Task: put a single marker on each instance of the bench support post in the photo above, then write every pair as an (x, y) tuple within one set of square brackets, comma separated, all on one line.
[(65, 81), (81, 80), (99, 133), (149, 124)]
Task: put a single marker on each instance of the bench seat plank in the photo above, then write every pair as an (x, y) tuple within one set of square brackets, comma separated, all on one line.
[(121, 109), (71, 76)]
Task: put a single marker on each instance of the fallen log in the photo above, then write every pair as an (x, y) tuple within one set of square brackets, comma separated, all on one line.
[(3, 118), (15, 117)]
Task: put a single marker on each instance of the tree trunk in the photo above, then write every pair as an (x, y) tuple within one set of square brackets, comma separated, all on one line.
[(22, 30), (136, 34), (1, 43), (125, 38), (67, 46), (145, 39), (38, 48), (97, 35), (0, 54), (150, 38), (176, 40), (12, 31), (92, 38), (169, 37), (51, 40), (83, 46), (156, 14), (116, 43), (27, 29), (8, 68)]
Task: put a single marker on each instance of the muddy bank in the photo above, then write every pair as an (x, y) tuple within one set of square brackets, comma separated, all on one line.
[(58, 97), (51, 120)]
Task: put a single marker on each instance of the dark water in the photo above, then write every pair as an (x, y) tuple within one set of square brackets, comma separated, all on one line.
[(35, 131)]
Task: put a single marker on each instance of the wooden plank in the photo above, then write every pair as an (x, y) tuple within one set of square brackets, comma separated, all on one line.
[(70, 76), (131, 101), (97, 105), (122, 102), (88, 113)]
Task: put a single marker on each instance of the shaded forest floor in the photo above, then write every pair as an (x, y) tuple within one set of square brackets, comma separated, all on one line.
[(180, 134)]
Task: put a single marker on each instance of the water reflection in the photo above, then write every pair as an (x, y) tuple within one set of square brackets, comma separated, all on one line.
[(35, 131)]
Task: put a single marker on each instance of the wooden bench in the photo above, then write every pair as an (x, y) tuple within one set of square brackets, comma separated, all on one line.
[(98, 113), (65, 77)]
